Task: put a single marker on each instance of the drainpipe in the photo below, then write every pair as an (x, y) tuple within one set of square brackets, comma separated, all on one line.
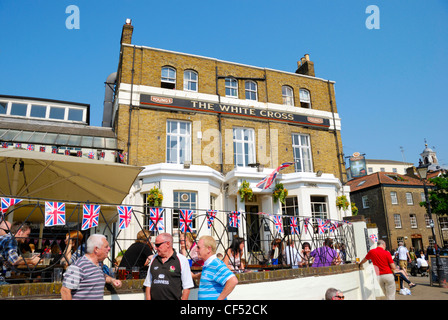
[(335, 132), (219, 121)]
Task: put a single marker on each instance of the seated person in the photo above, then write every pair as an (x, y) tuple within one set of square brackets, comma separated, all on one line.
[(403, 277)]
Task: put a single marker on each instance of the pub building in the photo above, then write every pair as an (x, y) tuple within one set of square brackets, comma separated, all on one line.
[(201, 127)]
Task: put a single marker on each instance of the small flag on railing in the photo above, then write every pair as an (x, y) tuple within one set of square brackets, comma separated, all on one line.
[(156, 219), (30, 147), (278, 222), (374, 238), (54, 214), (211, 215), (320, 226), (90, 216), (306, 223), (8, 202), (91, 155), (293, 224), (185, 220), (124, 216), (234, 219)]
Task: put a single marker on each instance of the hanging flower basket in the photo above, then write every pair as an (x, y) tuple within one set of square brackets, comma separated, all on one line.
[(155, 197), (342, 202), (354, 209), (245, 191), (280, 193)]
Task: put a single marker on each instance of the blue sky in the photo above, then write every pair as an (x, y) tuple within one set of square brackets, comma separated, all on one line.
[(391, 82)]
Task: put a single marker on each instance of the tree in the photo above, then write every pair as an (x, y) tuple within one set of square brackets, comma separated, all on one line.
[(438, 195)]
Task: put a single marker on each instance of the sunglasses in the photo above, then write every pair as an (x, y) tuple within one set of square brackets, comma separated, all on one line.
[(339, 297), (159, 244)]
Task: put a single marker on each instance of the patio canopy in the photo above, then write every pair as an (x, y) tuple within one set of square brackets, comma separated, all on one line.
[(41, 175)]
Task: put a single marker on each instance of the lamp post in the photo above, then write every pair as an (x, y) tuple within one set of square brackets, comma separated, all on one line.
[(422, 171)]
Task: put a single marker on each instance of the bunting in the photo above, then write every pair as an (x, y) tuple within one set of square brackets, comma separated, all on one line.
[(54, 214), (185, 220), (124, 216), (211, 215), (8, 202), (234, 219), (90, 216), (156, 219), (293, 224), (278, 222)]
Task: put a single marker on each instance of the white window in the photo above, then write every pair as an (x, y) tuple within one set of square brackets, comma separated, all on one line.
[(184, 200), (427, 220), (422, 197), (168, 79), (191, 81), (393, 197), (319, 207), (302, 152), (243, 147), (291, 207), (397, 221), (178, 141), (288, 96), (365, 202), (409, 199), (413, 219), (305, 98), (251, 90), (231, 87)]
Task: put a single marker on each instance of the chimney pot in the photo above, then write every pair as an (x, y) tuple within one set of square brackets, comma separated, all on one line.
[(307, 57)]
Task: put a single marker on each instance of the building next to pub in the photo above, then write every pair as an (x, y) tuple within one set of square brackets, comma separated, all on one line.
[(202, 127)]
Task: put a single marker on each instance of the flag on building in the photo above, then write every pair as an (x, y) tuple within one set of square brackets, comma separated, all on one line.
[(30, 147), (156, 219), (211, 215), (278, 222), (54, 214), (268, 180), (234, 219), (5, 144), (8, 202), (186, 220), (90, 217), (54, 149), (374, 238), (124, 216), (42, 148), (293, 224), (91, 155)]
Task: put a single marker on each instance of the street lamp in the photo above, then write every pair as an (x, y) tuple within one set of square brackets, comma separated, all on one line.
[(422, 171)]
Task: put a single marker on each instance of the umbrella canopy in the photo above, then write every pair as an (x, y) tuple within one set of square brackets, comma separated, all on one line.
[(32, 174)]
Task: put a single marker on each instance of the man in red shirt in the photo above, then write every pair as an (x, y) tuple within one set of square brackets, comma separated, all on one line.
[(384, 267)]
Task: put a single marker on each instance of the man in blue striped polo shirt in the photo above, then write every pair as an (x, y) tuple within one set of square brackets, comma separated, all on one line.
[(217, 281)]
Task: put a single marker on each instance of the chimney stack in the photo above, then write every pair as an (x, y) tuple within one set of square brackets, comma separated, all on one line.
[(126, 34), (305, 66)]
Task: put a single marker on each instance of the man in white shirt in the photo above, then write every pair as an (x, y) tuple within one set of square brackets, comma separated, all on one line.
[(403, 256)]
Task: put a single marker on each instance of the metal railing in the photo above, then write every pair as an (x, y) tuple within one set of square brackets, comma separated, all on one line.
[(259, 232)]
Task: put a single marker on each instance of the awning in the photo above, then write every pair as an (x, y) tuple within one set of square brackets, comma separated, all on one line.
[(32, 174)]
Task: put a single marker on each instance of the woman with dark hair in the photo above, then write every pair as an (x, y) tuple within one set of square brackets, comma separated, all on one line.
[(234, 254), (276, 253), (307, 260)]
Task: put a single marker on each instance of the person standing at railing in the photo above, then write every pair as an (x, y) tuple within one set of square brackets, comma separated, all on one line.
[(325, 256), (74, 249), (85, 279), (217, 281), (292, 254)]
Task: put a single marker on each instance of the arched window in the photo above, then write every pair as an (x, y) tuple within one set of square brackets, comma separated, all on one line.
[(168, 78), (305, 98), (251, 90), (191, 80), (231, 87), (288, 96)]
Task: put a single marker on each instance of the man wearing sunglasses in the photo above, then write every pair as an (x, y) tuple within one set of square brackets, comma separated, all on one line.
[(334, 294), (169, 275)]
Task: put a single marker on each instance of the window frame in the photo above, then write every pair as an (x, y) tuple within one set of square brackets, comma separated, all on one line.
[(397, 221), (177, 205), (305, 102), (409, 199), (188, 80), (247, 145), (178, 137), (300, 149), (231, 87), (393, 194), (288, 100), (365, 202), (253, 92), (168, 82)]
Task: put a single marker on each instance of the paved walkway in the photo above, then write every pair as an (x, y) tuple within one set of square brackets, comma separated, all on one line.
[(423, 290)]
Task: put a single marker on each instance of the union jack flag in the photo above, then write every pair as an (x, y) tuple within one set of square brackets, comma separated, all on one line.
[(268, 180), (321, 226), (90, 155), (185, 220), (54, 214), (67, 152), (330, 226), (54, 150), (374, 238), (124, 216), (234, 219), (79, 153), (211, 215), (90, 216), (278, 221), (42, 149), (30, 147), (7, 202), (18, 145), (306, 223), (156, 219), (294, 225)]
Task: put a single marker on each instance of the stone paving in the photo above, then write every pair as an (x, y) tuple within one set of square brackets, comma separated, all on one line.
[(423, 290)]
